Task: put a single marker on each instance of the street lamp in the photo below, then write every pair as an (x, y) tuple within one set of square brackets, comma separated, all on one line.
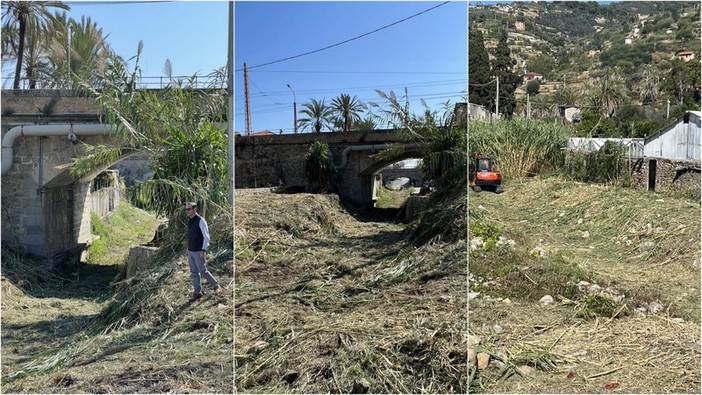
[(294, 107)]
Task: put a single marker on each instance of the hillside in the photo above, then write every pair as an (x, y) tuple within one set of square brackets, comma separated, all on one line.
[(573, 45), (330, 301), (578, 288), (79, 331)]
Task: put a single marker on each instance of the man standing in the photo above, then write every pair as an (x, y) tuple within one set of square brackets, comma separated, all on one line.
[(198, 241)]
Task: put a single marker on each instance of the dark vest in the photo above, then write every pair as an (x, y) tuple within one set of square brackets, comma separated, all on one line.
[(195, 237)]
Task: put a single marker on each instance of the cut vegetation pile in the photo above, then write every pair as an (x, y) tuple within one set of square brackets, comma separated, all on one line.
[(137, 335), (329, 302), (585, 289)]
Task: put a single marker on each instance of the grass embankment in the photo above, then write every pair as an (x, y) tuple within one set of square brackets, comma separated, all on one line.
[(329, 302), (388, 198), (82, 334), (642, 250)]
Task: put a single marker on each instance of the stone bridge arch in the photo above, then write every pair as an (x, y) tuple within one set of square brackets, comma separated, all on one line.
[(364, 184), (45, 209)]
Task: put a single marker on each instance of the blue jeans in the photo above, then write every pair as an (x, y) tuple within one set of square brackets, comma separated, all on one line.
[(197, 269)]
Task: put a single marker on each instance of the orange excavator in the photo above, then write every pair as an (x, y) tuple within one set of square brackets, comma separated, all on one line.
[(484, 175)]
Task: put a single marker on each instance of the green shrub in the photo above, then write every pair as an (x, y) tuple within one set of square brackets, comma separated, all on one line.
[(319, 168)]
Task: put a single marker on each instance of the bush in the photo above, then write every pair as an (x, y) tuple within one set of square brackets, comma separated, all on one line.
[(604, 166), (319, 168)]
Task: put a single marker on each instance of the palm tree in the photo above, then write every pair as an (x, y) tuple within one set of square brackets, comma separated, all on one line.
[(84, 55), (608, 94), (27, 16), (649, 85), (348, 110), (318, 115), (366, 124)]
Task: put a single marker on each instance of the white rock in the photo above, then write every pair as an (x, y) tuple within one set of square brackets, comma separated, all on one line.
[(497, 329), (677, 320), (655, 307), (546, 300), (640, 310), (473, 295), (594, 288), (525, 370), (580, 221), (647, 246), (562, 214), (507, 301), (585, 235), (473, 340), (480, 207), (539, 252), (476, 243)]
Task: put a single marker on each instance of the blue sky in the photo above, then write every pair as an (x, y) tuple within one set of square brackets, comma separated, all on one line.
[(426, 54), (192, 34)]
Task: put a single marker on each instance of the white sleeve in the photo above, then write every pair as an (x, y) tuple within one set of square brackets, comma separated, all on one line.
[(205, 234)]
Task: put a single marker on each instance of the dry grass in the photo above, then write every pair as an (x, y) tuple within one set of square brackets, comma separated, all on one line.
[(596, 234), (142, 336), (344, 299)]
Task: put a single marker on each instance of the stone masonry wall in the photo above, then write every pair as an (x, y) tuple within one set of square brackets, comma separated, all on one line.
[(670, 176)]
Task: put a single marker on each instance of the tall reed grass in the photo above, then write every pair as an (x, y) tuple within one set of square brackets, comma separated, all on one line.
[(520, 147)]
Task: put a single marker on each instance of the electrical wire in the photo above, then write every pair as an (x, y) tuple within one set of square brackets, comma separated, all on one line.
[(346, 41)]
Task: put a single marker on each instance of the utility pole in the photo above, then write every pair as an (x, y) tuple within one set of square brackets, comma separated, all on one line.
[(230, 110), (497, 98), (528, 107), (294, 109), (246, 101)]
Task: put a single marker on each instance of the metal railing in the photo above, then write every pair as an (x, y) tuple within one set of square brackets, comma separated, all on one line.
[(634, 147), (148, 82)]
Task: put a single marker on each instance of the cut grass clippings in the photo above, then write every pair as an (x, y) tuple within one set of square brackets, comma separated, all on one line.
[(321, 311), (643, 245)]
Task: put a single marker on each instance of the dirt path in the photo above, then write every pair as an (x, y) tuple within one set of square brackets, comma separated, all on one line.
[(326, 301), (644, 248)]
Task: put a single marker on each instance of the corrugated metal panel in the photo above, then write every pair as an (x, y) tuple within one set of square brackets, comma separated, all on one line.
[(678, 141), (634, 147)]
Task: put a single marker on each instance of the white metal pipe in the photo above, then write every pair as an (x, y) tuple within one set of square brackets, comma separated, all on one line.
[(46, 130)]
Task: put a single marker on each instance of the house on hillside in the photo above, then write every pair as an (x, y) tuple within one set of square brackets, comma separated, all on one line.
[(533, 76), (686, 56), (519, 25)]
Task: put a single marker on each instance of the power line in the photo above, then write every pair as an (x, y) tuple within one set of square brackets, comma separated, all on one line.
[(362, 72), (346, 41)]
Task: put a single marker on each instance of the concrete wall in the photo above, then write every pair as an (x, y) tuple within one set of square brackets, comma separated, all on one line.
[(45, 209)]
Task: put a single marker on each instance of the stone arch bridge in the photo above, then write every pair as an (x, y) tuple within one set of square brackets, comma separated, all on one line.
[(275, 160)]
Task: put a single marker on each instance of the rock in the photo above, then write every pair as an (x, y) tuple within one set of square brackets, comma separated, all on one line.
[(546, 300), (583, 284), (640, 310), (472, 357), (507, 301), (539, 252), (476, 243), (497, 329), (483, 360), (585, 235), (695, 263), (398, 183), (360, 386), (291, 376), (646, 246), (480, 207), (525, 370), (677, 320), (473, 340), (580, 221), (473, 295), (257, 347), (655, 307), (594, 288)]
